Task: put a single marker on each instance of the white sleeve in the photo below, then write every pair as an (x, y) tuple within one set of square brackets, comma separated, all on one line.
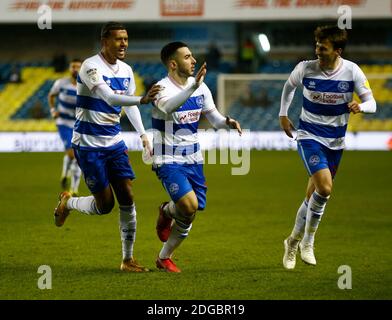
[(361, 84), (368, 106), (297, 74), (287, 97), (132, 85), (170, 104), (363, 90), (105, 93), (209, 104), (135, 118), (55, 88), (216, 119), (90, 75)]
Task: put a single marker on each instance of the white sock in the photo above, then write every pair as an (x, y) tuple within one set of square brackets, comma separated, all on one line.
[(75, 176), (85, 205), (170, 209), (127, 230), (66, 166), (178, 233), (316, 209), (300, 221)]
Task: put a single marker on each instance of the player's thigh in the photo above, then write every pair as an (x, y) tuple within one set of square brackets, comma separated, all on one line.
[(93, 166), (313, 156), (188, 203), (334, 157), (123, 191), (175, 181), (119, 169), (197, 180), (322, 180)]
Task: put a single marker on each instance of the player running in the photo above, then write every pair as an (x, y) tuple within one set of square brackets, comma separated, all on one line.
[(105, 84), (177, 156), (328, 86)]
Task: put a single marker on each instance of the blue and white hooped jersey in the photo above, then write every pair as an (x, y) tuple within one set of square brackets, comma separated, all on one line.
[(66, 101), (175, 134), (325, 112), (97, 125)]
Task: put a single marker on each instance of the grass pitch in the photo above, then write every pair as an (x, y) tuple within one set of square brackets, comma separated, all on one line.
[(234, 250)]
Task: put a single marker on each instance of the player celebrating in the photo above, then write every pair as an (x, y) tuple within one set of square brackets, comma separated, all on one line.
[(106, 83), (65, 91), (328, 86), (177, 156)]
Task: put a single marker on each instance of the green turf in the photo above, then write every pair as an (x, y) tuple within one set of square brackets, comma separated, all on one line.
[(234, 250)]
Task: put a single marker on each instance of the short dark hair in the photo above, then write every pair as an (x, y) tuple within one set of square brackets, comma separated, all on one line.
[(170, 49), (75, 60), (109, 26), (333, 33)]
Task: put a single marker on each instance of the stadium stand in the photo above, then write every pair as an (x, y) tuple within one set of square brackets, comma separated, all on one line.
[(18, 101)]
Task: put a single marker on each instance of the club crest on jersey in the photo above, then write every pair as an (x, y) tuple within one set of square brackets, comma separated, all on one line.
[(173, 188), (200, 101), (314, 160), (126, 84), (93, 75), (343, 86)]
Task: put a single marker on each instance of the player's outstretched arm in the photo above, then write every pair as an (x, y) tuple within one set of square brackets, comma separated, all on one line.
[(114, 99), (151, 94), (220, 122)]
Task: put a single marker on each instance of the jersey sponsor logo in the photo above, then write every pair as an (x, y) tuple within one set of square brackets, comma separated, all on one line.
[(329, 98), (193, 116), (316, 96), (173, 188), (343, 86), (314, 160)]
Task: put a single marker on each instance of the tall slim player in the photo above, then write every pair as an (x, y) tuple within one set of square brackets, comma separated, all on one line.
[(105, 84), (328, 86)]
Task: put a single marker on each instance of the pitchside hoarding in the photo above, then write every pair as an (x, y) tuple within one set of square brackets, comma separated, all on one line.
[(16, 11), (50, 141)]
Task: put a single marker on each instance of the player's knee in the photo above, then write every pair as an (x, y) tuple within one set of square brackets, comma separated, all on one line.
[(325, 190), (106, 208), (191, 208), (187, 217)]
